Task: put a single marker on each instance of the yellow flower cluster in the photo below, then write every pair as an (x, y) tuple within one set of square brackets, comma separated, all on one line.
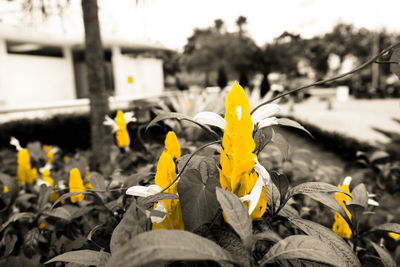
[(25, 173), (165, 175), (237, 158), (46, 178), (395, 236), (76, 185), (50, 154), (122, 134), (340, 226)]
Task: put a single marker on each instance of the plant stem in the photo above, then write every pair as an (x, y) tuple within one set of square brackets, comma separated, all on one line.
[(365, 64)]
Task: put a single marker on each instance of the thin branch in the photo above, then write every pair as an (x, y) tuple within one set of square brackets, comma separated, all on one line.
[(362, 66)]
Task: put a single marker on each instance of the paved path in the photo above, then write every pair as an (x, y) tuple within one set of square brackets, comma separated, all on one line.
[(354, 118)]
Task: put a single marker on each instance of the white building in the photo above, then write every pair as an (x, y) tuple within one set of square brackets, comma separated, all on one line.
[(38, 69)]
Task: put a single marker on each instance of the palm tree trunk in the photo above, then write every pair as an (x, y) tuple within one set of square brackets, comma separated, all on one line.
[(94, 56)]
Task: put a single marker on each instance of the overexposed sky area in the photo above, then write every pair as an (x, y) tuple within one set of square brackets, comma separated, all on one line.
[(171, 22)]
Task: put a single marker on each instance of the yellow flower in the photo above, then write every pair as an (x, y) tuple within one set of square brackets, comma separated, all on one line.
[(340, 226), (120, 127), (395, 236), (47, 179), (172, 145), (76, 185), (238, 173), (42, 225), (24, 171), (165, 175), (5, 189), (33, 174)]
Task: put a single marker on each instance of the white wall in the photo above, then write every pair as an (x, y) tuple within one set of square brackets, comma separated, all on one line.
[(147, 76), (37, 79)]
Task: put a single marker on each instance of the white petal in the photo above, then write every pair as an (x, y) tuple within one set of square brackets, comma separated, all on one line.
[(160, 207), (210, 118), (39, 182), (347, 180), (143, 191), (254, 195), (14, 141), (265, 111), (267, 122), (128, 116), (110, 122), (372, 202), (262, 172)]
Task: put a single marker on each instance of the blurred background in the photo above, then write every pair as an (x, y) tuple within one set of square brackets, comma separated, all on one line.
[(155, 49)]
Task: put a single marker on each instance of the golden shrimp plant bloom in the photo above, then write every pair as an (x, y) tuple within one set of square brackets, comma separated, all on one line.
[(340, 226), (120, 127), (165, 175), (76, 185), (24, 172), (47, 179), (237, 174)]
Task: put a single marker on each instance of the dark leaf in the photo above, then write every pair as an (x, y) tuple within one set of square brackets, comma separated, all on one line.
[(59, 212), (167, 245), (329, 237), (236, 215), (273, 197), (9, 241), (289, 212), (378, 155), (268, 235), (292, 123), (197, 195), (13, 189), (282, 183), (384, 255), (68, 195), (262, 137), (97, 181), (302, 247), (29, 216), (281, 143), (131, 225), (388, 227), (85, 257), (148, 202), (359, 196), (44, 196)]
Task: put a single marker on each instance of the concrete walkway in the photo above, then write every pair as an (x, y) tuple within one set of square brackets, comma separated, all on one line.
[(353, 118)]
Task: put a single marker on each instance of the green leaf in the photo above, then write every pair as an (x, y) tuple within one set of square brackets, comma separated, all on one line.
[(84, 257), (329, 237), (282, 183), (97, 181), (29, 216), (359, 196), (281, 143), (167, 245), (292, 123), (262, 137), (59, 212), (395, 68), (196, 191), (236, 215), (314, 187), (388, 227), (273, 197), (148, 202), (302, 247), (177, 116), (268, 235), (131, 225), (384, 255)]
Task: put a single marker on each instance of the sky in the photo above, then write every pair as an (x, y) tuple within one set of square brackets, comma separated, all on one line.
[(171, 22)]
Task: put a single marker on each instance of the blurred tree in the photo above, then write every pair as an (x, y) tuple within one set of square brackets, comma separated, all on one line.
[(94, 56), (222, 80), (241, 21), (218, 24)]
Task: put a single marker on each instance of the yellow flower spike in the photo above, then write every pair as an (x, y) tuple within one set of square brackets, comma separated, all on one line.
[(42, 225), (172, 145), (33, 174), (88, 185), (24, 166), (50, 156), (395, 236), (123, 139), (120, 120), (5, 189), (46, 178), (46, 147), (340, 226), (76, 185), (165, 175)]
